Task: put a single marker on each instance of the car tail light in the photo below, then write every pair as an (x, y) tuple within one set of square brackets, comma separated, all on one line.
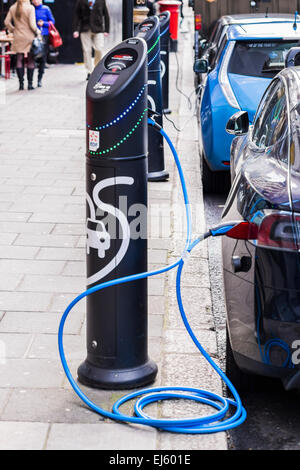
[(198, 22), (276, 230)]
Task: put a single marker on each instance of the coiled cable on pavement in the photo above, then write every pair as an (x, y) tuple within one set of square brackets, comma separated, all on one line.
[(217, 421)]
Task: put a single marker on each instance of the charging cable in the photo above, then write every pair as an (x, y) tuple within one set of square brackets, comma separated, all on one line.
[(219, 419), (197, 91)]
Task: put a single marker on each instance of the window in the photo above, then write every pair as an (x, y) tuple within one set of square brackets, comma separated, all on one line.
[(216, 44), (216, 32), (219, 52), (259, 58), (222, 35), (271, 122)]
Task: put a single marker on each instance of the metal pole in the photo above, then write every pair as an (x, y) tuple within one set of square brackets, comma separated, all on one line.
[(127, 19)]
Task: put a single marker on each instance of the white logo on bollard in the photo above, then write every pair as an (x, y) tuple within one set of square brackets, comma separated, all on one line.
[(162, 66), (97, 236), (150, 99)]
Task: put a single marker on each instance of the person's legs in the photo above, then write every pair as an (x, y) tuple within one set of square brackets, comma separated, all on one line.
[(86, 42), (13, 63), (20, 70), (42, 61), (98, 45), (30, 71)]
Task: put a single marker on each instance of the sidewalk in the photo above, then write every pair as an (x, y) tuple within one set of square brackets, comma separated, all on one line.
[(42, 266)]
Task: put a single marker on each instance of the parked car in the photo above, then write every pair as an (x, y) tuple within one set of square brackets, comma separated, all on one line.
[(209, 47), (261, 265), (247, 59)]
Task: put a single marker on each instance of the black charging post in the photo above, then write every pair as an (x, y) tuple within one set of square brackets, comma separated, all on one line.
[(150, 31), (127, 18), (164, 19), (116, 183)]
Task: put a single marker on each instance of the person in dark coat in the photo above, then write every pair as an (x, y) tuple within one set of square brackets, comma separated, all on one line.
[(91, 23)]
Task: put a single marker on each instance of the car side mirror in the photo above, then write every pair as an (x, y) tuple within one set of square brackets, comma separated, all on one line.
[(203, 43), (293, 57), (201, 66), (238, 124)]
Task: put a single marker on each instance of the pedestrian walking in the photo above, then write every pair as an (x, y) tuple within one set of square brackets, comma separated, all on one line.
[(20, 20), (91, 23), (43, 16)]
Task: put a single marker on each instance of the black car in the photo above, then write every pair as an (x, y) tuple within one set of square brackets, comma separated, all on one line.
[(261, 264)]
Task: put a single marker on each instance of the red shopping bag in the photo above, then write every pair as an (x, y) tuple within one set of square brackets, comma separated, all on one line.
[(55, 39)]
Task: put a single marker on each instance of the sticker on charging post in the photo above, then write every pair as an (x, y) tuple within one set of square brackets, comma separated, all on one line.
[(94, 140)]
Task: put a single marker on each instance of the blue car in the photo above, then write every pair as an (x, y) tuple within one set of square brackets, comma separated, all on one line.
[(248, 58)]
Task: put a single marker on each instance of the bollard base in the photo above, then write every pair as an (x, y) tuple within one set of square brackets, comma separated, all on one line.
[(116, 379), (158, 176), (174, 45)]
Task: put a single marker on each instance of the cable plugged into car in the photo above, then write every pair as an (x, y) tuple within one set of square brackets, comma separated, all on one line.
[(216, 422), (274, 230), (117, 343)]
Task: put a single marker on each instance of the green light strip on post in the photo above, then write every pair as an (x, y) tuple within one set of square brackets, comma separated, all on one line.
[(151, 48), (126, 137)]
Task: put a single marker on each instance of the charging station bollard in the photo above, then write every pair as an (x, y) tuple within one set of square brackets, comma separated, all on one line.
[(116, 176), (150, 31), (164, 19)]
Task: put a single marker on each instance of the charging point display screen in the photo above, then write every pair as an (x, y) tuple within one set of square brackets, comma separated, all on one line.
[(121, 60), (108, 79), (144, 29)]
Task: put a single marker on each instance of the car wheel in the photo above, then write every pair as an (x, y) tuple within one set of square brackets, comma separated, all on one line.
[(241, 381), (214, 181)]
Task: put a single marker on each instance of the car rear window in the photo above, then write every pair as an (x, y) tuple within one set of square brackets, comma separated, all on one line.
[(259, 58)]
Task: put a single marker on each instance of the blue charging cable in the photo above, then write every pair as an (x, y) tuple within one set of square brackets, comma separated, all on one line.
[(217, 421)]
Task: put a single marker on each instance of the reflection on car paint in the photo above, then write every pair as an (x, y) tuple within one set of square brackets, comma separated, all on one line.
[(266, 346), (263, 303)]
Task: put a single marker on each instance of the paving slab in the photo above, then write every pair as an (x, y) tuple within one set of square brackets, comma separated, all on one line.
[(23, 435), (100, 436)]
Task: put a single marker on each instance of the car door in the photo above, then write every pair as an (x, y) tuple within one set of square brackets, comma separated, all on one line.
[(295, 152), (294, 83), (261, 184), (205, 108)]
